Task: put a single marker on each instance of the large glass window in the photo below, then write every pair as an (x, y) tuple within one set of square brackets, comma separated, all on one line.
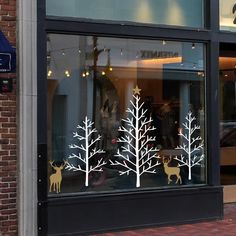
[(124, 114), (167, 12), (228, 15)]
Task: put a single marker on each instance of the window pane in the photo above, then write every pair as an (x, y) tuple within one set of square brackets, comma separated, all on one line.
[(228, 15), (125, 114), (167, 12)]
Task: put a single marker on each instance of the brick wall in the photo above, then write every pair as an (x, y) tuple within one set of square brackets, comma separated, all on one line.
[(8, 157)]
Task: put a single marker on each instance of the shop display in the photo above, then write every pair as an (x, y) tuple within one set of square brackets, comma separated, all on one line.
[(192, 145), (56, 178), (88, 149), (135, 154), (175, 171)]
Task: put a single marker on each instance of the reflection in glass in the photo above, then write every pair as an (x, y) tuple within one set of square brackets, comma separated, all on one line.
[(93, 83), (165, 12)]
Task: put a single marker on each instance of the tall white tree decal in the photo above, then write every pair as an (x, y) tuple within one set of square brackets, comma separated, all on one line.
[(137, 155), (89, 148), (191, 145)]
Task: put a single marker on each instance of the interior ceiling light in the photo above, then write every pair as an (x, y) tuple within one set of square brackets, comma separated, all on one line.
[(227, 63)]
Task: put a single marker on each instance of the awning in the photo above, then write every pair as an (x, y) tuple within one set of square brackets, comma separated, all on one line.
[(7, 55)]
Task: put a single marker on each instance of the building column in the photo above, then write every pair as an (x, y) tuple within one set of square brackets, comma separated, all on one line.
[(27, 117)]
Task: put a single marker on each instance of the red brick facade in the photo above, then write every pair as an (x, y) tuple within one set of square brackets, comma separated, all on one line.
[(8, 157)]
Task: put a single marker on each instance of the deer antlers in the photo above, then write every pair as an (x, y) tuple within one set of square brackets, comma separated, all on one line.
[(62, 165), (168, 159)]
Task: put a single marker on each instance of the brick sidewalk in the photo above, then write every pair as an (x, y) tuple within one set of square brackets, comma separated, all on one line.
[(225, 227)]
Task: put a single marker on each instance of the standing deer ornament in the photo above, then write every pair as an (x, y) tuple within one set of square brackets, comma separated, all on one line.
[(56, 178), (171, 171)]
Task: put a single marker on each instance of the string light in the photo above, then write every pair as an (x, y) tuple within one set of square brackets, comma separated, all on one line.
[(67, 73), (103, 72), (200, 74), (49, 73)]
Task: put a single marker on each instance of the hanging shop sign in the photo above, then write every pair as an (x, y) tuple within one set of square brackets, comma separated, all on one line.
[(7, 56), (5, 62)]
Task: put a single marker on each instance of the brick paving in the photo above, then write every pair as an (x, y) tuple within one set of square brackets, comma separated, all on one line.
[(225, 227)]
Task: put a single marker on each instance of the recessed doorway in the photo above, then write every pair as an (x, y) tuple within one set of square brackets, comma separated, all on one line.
[(227, 107)]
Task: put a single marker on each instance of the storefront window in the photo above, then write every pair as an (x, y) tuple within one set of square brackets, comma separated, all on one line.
[(124, 114), (166, 12), (228, 15)]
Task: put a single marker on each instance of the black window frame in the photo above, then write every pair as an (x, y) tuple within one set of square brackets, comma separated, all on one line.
[(210, 36)]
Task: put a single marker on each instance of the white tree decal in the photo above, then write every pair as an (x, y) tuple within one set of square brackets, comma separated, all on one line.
[(137, 155), (89, 149), (190, 145)]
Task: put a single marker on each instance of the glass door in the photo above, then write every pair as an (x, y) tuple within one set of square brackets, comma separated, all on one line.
[(227, 77)]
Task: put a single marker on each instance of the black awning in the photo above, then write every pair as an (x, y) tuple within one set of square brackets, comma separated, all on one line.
[(7, 55)]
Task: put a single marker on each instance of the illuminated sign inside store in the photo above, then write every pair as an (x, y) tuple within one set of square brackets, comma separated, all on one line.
[(158, 54)]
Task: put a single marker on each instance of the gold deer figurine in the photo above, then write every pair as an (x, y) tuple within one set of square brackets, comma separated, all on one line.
[(56, 178), (171, 171)]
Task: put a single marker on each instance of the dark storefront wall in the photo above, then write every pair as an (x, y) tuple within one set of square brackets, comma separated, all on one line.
[(80, 212)]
